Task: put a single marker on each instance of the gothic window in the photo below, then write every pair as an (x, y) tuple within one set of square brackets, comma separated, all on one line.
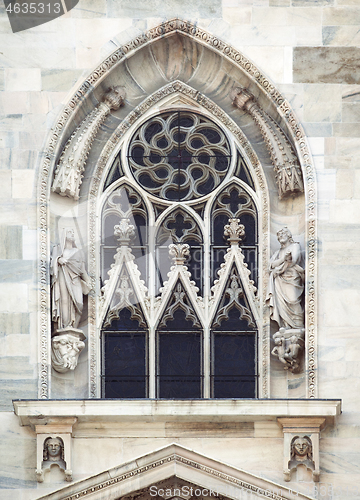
[(179, 264)]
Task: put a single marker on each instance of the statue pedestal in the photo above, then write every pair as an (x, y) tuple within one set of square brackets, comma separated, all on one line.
[(66, 345)]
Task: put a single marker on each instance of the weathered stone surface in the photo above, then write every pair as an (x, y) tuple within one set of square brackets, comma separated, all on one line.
[(144, 8), (341, 35), (58, 80), (341, 16), (14, 271), (10, 242), (326, 64), (14, 323), (312, 3)]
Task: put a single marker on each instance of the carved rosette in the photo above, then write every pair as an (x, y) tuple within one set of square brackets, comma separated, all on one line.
[(71, 165), (284, 159), (235, 231)]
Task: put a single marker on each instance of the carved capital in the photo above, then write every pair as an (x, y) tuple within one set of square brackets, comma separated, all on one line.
[(235, 231), (179, 253), (124, 232), (242, 98), (115, 97)]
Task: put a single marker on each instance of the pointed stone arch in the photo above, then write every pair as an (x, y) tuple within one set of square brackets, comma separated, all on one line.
[(149, 91)]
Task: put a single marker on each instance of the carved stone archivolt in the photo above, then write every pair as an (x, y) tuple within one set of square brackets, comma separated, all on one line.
[(57, 135), (71, 165)]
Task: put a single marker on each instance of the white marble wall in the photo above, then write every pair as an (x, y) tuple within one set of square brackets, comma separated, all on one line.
[(310, 49)]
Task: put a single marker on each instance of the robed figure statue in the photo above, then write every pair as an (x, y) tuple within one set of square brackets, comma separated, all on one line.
[(284, 297), (69, 284)]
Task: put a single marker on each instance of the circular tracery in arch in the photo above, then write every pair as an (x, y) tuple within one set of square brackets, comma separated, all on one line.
[(179, 155)]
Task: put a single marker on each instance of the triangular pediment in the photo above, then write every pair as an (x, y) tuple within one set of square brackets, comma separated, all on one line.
[(173, 466)]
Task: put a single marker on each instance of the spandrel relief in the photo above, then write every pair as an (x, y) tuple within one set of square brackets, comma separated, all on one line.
[(69, 283), (284, 297)]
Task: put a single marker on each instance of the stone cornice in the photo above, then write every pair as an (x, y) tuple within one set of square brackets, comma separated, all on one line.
[(199, 410)]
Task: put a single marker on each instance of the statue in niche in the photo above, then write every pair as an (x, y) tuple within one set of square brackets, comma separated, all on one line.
[(301, 453), (70, 283), (284, 297), (65, 350)]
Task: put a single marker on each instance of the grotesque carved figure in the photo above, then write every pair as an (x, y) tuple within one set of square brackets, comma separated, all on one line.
[(284, 297), (70, 282), (65, 350)]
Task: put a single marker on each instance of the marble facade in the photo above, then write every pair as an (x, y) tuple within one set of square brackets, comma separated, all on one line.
[(309, 50)]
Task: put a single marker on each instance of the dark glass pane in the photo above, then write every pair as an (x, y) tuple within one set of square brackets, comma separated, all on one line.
[(243, 173), (179, 365), (250, 229), (114, 173), (218, 232), (124, 365), (234, 368)]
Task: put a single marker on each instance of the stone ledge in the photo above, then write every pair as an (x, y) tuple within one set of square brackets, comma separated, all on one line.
[(96, 410)]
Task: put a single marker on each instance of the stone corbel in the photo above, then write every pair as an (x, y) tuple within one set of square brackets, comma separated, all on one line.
[(53, 444), (301, 444), (71, 165), (283, 157)]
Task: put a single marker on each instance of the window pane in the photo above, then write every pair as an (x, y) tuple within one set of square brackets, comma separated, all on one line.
[(124, 365), (179, 365), (233, 366)]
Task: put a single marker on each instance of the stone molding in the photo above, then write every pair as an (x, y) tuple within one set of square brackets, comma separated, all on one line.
[(174, 461), (205, 409), (52, 150)]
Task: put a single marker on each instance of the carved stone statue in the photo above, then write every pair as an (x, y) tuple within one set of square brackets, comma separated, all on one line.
[(53, 450), (53, 454), (301, 453), (65, 350), (70, 282), (284, 297)]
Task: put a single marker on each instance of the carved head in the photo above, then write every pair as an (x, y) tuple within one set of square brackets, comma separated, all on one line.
[(65, 352), (53, 449), (301, 448), (284, 236)]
